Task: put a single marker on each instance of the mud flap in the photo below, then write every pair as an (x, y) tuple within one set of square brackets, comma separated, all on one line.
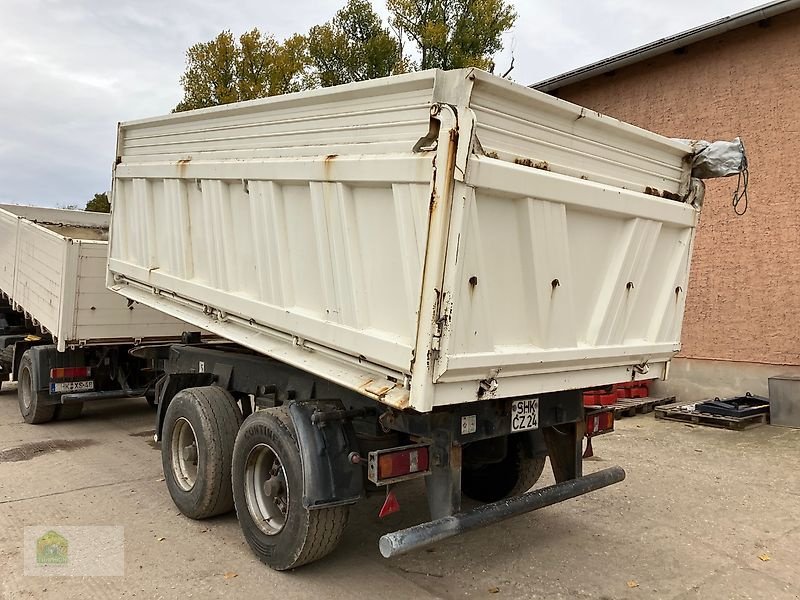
[(330, 478)]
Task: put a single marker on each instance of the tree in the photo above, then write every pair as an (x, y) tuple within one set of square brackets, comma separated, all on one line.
[(210, 76), (353, 46), (452, 34), (256, 65), (99, 203)]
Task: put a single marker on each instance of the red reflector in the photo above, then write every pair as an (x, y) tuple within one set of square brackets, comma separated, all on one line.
[(70, 372), (600, 423), (390, 506), (402, 462)]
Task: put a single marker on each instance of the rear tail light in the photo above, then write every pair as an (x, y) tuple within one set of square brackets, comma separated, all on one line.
[(70, 372), (602, 422), (398, 464)]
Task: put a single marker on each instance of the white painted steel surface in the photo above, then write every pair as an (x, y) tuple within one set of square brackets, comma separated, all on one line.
[(53, 268), (417, 238)]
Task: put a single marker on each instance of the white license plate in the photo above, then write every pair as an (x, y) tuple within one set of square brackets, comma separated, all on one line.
[(525, 414), (67, 387)]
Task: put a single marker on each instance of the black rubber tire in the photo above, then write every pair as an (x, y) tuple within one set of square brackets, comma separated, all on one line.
[(7, 355), (308, 535), (38, 409), (215, 418), (67, 412), (514, 475)]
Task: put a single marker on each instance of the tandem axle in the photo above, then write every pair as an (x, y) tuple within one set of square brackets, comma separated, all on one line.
[(304, 450)]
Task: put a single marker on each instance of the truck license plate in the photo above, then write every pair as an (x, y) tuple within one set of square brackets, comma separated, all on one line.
[(525, 414), (71, 386)]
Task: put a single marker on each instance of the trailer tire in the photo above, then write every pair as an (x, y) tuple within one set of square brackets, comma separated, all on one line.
[(514, 475), (67, 412), (7, 356), (34, 405), (268, 482), (199, 430)]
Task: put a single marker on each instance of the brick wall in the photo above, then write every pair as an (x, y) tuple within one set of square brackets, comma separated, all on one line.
[(743, 302)]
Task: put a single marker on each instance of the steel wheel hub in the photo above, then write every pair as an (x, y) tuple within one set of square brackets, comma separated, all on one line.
[(26, 384), (266, 489), (184, 454)]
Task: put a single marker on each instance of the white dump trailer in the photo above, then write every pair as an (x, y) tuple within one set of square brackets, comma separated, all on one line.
[(54, 305), (438, 262)]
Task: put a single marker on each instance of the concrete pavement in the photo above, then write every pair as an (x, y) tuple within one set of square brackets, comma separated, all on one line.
[(697, 510)]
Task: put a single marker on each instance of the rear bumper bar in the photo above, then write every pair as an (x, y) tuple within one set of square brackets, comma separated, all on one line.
[(424, 534), (113, 394)]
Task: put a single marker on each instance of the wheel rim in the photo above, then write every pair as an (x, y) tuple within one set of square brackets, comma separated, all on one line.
[(26, 385), (266, 489), (184, 454)]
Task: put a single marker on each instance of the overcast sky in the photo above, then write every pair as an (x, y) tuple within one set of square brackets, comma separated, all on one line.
[(71, 69)]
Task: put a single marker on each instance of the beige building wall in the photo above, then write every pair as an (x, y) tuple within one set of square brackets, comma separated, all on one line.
[(743, 302)]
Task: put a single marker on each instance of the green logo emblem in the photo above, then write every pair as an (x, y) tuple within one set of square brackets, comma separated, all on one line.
[(51, 549)]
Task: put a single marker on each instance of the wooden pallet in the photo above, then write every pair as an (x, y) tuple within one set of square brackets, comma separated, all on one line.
[(629, 407), (679, 412)]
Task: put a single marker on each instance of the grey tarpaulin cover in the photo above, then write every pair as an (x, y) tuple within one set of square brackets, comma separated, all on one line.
[(718, 159)]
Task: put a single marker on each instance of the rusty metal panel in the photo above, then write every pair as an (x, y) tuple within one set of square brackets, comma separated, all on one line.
[(524, 126), (552, 273), (372, 117), (420, 239), (337, 263)]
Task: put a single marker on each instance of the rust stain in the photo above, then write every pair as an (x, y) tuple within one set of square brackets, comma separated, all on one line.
[(533, 164), (326, 167), (455, 457), (652, 192), (380, 390), (182, 166), (376, 388), (403, 402), (491, 154)]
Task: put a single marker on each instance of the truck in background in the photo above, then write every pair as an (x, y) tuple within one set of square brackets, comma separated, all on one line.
[(64, 337)]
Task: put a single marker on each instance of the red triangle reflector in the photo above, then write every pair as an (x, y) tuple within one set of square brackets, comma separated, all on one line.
[(390, 506)]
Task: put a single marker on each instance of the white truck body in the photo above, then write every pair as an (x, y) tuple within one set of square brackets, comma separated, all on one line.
[(52, 268), (426, 240)]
